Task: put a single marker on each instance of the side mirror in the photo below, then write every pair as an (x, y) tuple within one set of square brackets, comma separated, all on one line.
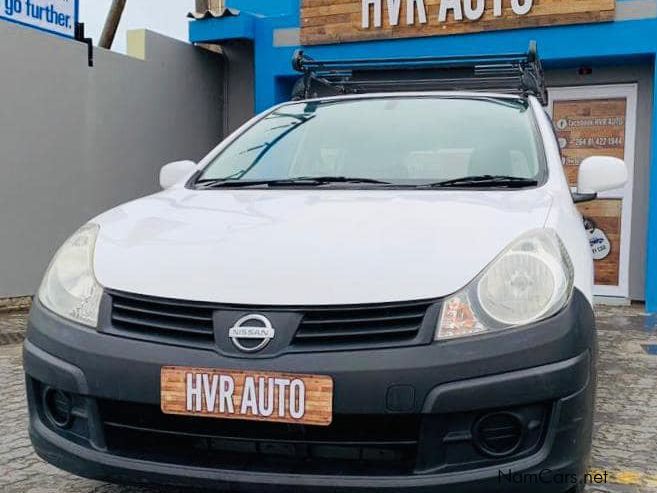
[(172, 173), (599, 174)]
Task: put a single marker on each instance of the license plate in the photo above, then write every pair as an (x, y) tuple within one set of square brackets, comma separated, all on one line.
[(248, 395)]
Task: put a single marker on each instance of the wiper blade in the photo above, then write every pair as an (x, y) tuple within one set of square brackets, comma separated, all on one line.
[(303, 181), (323, 180), (485, 181), (233, 183)]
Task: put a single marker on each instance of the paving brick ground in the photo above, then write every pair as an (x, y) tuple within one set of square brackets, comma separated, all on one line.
[(625, 436)]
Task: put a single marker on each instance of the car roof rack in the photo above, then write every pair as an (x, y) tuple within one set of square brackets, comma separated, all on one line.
[(518, 74)]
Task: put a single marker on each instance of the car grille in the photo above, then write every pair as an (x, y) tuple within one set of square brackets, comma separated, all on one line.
[(361, 324), (352, 444), (190, 323), (162, 320)]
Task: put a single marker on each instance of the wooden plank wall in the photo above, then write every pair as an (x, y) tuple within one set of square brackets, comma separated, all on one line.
[(337, 21), (607, 215)]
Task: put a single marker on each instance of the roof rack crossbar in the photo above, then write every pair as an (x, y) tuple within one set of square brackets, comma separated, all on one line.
[(520, 74)]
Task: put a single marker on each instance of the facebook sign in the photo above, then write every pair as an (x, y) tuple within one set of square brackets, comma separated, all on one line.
[(55, 16)]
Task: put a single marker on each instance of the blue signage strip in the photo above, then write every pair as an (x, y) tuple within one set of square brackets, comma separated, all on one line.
[(53, 16)]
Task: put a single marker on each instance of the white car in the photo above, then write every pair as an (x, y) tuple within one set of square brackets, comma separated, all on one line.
[(379, 291)]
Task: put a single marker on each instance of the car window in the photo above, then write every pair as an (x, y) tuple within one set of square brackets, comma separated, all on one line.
[(402, 140)]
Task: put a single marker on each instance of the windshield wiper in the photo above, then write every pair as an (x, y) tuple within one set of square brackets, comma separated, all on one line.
[(302, 181), (483, 181), (324, 180)]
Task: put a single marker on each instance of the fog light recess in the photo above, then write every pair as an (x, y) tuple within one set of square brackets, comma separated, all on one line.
[(58, 406), (499, 434)]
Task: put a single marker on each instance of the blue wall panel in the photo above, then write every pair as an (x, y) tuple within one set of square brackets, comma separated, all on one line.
[(265, 8), (651, 251)]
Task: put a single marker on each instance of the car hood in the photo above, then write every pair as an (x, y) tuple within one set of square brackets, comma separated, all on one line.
[(309, 247)]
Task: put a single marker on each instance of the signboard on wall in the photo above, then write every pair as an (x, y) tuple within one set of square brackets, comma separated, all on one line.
[(337, 21), (593, 126), (54, 16)]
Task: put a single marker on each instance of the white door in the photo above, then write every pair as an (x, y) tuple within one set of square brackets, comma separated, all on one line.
[(601, 120)]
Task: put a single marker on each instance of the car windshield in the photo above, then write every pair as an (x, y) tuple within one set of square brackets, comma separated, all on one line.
[(406, 141)]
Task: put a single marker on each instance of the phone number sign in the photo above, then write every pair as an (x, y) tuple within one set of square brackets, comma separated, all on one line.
[(54, 16)]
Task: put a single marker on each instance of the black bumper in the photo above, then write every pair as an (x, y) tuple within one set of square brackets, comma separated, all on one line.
[(543, 375)]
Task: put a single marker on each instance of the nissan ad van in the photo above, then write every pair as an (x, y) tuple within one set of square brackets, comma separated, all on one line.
[(381, 291)]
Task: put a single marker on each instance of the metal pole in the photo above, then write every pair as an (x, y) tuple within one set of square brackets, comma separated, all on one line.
[(112, 24), (202, 6)]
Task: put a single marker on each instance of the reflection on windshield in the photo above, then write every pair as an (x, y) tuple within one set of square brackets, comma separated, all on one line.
[(266, 146)]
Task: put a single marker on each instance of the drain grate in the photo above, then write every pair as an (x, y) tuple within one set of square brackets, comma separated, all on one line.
[(650, 349), (11, 338)]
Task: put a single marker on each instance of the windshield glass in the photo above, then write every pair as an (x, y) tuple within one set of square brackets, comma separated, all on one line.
[(399, 140)]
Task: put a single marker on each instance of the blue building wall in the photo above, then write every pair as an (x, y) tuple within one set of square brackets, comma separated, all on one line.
[(265, 8), (614, 43), (651, 267)]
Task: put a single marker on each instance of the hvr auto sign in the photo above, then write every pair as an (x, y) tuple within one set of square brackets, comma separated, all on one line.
[(343, 21), (416, 10)]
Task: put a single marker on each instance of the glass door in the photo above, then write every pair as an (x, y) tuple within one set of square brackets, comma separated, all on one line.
[(600, 120)]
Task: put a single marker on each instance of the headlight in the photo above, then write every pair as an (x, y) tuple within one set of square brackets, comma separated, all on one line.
[(69, 287), (530, 281)]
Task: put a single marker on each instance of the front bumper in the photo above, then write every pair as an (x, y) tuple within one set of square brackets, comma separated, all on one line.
[(543, 375)]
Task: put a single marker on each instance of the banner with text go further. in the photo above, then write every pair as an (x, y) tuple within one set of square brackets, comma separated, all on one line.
[(54, 16)]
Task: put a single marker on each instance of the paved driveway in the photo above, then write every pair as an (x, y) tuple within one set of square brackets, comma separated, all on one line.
[(626, 424)]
